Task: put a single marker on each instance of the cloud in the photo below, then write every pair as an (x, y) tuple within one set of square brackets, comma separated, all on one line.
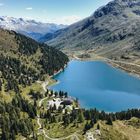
[(67, 20), (29, 8), (1, 4)]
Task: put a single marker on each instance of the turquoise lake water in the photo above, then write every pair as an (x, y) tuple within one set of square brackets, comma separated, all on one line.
[(98, 85)]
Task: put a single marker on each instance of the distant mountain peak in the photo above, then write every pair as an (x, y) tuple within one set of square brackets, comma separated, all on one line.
[(31, 28)]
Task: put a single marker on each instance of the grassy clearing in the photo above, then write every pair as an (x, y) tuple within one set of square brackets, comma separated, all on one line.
[(121, 130), (57, 130), (40, 137), (44, 104), (6, 96), (51, 82), (36, 87)]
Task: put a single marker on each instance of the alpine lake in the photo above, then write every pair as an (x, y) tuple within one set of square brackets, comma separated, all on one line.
[(99, 85)]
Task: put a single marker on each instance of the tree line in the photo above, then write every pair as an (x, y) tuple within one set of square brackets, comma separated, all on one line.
[(79, 115)]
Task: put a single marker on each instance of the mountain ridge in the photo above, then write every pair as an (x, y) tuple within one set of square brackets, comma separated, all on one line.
[(30, 28), (111, 30)]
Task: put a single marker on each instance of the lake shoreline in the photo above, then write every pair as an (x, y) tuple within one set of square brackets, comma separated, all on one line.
[(124, 69), (58, 81), (112, 63), (61, 70), (56, 73)]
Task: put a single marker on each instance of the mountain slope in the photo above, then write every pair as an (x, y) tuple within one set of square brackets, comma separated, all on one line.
[(23, 61), (29, 28), (111, 31)]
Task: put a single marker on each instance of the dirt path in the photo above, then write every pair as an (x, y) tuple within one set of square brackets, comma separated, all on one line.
[(75, 57), (46, 136), (109, 60), (44, 85), (40, 102), (127, 63), (63, 138), (116, 63), (38, 122)]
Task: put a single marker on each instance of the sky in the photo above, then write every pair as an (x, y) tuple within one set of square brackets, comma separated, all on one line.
[(52, 11)]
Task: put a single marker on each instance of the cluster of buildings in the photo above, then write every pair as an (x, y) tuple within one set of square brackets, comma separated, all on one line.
[(64, 103)]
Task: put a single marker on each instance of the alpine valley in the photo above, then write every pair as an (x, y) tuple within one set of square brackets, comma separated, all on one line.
[(76, 82), (112, 32)]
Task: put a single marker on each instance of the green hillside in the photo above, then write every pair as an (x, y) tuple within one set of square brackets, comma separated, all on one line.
[(25, 109), (23, 61)]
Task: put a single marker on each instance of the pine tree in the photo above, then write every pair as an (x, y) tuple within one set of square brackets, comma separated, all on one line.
[(109, 121), (98, 126), (87, 127), (80, 117)]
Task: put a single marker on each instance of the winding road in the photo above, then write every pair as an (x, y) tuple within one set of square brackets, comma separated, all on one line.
[(74, 135)]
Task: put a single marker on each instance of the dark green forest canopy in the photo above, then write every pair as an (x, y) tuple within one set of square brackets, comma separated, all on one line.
[(12, 122)]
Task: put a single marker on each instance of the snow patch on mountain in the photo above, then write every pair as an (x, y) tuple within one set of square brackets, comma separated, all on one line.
[(29, 28)]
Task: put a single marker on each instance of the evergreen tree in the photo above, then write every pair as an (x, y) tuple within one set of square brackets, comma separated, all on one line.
[(98, 126), (109, 121), (80, 117)]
